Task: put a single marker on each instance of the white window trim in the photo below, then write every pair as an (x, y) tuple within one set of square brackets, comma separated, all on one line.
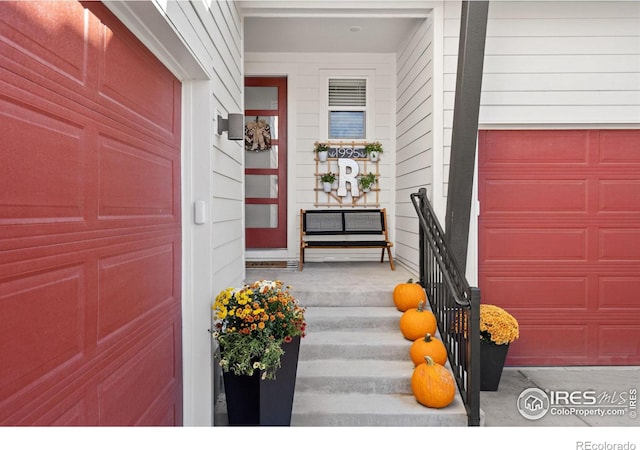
[(324, 76)]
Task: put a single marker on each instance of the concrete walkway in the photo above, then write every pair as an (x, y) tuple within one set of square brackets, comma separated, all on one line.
[(613, 388)]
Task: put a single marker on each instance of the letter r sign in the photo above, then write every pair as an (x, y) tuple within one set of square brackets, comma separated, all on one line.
[(345, 177)]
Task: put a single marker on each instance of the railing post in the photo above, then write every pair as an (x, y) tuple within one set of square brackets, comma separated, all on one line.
[(474, 349), (422, 242)]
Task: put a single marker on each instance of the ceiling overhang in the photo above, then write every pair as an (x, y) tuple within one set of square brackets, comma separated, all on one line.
[(332, 26)]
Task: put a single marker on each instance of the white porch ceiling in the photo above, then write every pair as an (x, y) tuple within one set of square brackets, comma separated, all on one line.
[(306, 34), (327, 26)]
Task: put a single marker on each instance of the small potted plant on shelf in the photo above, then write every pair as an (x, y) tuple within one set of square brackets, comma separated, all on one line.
[(327, 180), (322, 150), (373, 149), (366, 181)]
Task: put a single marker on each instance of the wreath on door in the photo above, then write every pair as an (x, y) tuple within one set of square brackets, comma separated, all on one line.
[(257, 136)]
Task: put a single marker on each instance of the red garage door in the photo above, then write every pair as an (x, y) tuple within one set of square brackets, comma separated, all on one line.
[(89, 222), (560, 242)]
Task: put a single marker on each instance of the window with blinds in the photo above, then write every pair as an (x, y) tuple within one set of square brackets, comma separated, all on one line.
[(347, 108)]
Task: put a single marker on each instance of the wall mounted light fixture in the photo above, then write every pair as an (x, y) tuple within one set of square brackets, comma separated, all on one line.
[(233, 125)]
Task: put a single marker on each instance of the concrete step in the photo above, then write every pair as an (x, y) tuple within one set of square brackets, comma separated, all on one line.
[(322, 318), (344, 296), (354, 376), (362, 410), (371, 410), (348, 345)]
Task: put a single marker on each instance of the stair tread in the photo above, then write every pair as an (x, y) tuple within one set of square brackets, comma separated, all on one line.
[(373, 409), (369, 403), (351, 311), (362, 337), (354, 368)]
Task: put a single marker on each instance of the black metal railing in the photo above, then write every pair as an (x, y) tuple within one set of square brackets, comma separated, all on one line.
[(455, 304)]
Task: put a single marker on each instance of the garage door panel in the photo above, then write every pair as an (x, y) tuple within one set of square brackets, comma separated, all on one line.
[(43, 325), (619, 344), (524, 292), (531, 148), (618, 148), (534, 244), (125, 169), (133, 82), (127, 393), (160, 415), (31, 46), (78, 414), (619, 196), (124, 295), (547, 343), (43, 166), (618, 291), (619, 244), (526, 195)]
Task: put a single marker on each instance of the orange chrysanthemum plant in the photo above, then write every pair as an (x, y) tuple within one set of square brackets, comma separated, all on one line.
[(497, 326), (252, 323)]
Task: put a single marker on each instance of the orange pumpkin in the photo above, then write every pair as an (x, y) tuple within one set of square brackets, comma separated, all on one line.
[(408, 295), (433, 385), (428, 346), (417, 322)]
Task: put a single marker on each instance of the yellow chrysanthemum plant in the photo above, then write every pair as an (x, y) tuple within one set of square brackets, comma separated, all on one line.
[(497, 326), (251, 324)]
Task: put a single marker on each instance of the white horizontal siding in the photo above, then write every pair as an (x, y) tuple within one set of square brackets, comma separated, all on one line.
[(552, 64), (565, 62), (213, 32), (414, 130), (306, 73)]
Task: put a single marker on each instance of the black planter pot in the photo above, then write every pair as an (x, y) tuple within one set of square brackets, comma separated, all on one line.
[(253, 401), (492, 358)]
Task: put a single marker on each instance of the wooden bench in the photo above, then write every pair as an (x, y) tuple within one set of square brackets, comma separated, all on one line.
[(355, 227)]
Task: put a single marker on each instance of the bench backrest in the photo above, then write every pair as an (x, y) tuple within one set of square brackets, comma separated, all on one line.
[(353, 221)]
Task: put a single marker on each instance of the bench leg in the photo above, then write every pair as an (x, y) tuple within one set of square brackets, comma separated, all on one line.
[(301, 262), (393, 267), (382, 256)]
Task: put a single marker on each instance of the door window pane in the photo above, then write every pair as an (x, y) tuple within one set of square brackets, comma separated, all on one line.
[(261, 216), (262, 160), (261, 186), (260, 97)]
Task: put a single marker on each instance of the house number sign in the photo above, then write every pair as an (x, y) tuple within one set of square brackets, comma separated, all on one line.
[(347, 152)]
